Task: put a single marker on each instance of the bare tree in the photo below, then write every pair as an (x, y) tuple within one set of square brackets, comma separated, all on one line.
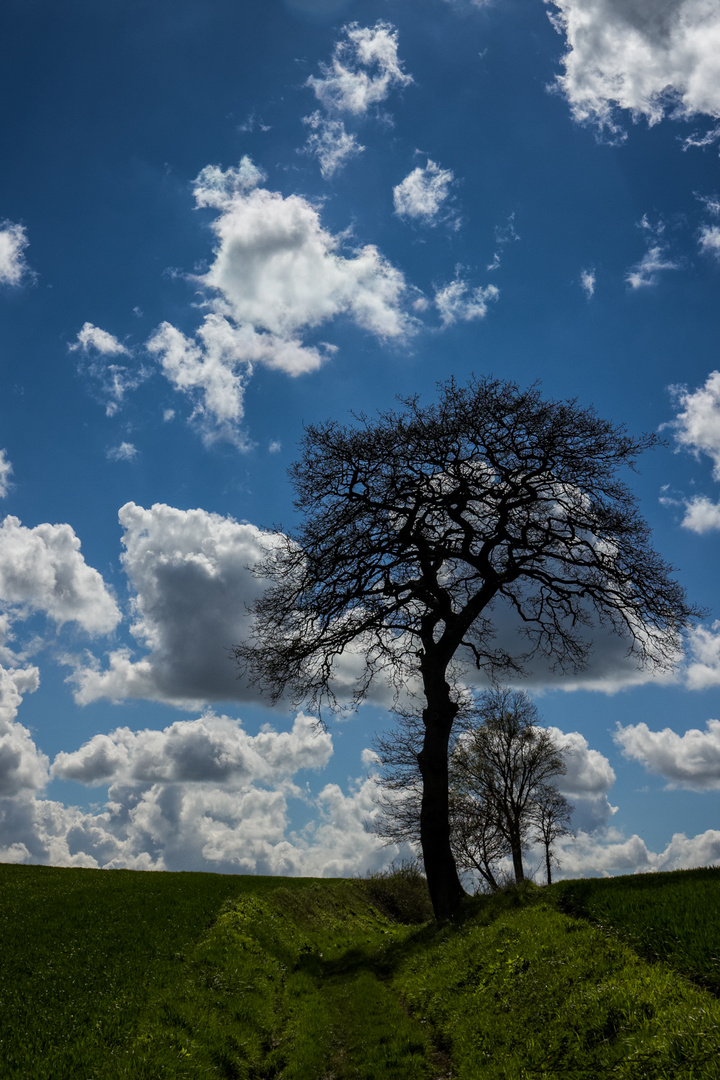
[(505, 763), (476, 839), (502, 768), (420, 526), (551, 822), (477, 843)]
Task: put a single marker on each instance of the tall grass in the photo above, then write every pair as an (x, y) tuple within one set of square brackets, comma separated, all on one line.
[(289, 985), (672, 916), (84, 954), (521, 990), (112, 975)]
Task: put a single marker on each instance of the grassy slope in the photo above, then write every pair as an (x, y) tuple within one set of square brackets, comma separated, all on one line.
[(84, 952), (302, 980), (522, 990), (673, 917)]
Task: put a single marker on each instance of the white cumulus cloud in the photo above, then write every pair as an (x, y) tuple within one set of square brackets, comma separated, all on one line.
[(125, 451), (278, 270), (213, 367), (587, 282), (423, 194), (650, 57), (92, 337), (188, 570), (212, 749), (587, 781), (697, 425), (276, 275), (710, 240), (610, 853), (691, 760), (13, 241), (703, 668), (5, 474), (702, 515), (459, 302), (42, 569), (98, 348), (363, 70), (330, 143), (22, 766)]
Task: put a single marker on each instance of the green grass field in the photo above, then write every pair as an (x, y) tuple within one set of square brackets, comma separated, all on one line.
[(673, 917), (109, 974)]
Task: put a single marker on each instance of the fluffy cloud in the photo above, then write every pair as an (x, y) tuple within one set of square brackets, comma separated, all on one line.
[(5, 473), (92, 337), (113, 380), (422, 195), (189, 573), (459, 302), (212, 749), (330, 143), (42, 569), (342, 839), (215, 186), (212, 369), (276, 274), (651, 57), (587, 283), (611, 853), (203, 795), (22, 766), (703, 669), (587, 781), (697, 425), (701, 515), (277, 270), (691, 760), (710, 240), (363, 70), (191, 581), (13, 242), (124, 452)]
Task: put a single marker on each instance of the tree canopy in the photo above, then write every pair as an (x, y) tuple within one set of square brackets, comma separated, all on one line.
[(421, 526)]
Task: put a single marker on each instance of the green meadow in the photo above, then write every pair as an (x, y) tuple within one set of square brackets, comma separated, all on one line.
[(110, 974)]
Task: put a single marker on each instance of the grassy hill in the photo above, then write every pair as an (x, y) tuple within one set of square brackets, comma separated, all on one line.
[(110, 974)]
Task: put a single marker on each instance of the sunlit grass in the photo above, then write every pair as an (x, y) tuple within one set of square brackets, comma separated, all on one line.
[(85, 953), (525, 991), (673, 917), (109, 975)]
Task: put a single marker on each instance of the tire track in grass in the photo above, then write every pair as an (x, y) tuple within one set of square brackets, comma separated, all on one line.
[(362, 1029)]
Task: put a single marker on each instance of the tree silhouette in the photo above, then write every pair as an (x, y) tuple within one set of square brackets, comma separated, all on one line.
[(420, 528), (502, 772), (505, 766), (551, 821)]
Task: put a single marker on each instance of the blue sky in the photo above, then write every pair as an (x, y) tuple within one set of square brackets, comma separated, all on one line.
[(221, 221)]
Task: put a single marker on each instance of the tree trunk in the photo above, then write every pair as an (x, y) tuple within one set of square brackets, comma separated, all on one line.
[(516, 846), (547, 864), (446, 891)]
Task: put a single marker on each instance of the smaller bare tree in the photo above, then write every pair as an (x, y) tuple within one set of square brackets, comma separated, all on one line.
[(505, 761), (477, 842), (551, 822)]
